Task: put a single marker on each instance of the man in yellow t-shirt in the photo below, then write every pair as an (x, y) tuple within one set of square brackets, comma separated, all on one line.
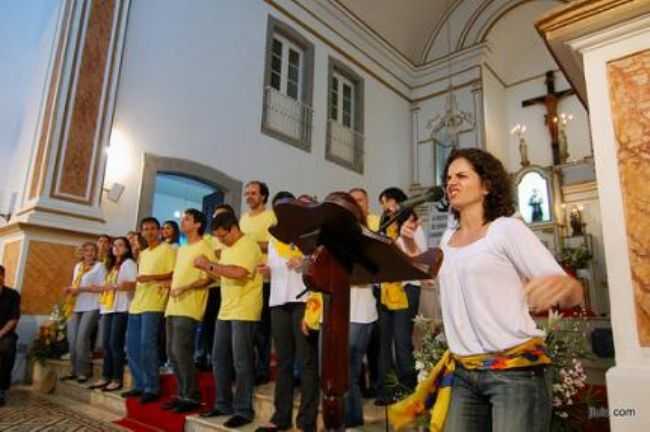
[(156, 265), (187, 300), (205, 337), (256, 223), (241, 308)]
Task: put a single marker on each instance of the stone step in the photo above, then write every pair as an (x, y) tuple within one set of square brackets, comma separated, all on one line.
[(198, 424), (374, 416)]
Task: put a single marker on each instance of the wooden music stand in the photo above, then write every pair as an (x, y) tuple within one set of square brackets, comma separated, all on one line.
[(343, 252)]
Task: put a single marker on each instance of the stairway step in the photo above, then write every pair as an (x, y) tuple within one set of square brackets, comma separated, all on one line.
[(198, 424), (374, 416)]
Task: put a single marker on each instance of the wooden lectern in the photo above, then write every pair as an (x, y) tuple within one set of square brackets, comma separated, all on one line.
[(342, 251)]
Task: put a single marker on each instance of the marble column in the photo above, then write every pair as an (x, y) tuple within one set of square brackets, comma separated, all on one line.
[(60, 204), (66, 173), (604, 48)]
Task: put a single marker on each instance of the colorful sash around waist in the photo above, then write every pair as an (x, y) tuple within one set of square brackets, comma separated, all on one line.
[(434, 392), (70, 299), (313, 310), (107, 298)]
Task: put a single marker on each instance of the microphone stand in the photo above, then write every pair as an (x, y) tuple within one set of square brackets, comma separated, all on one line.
[(395, 217)]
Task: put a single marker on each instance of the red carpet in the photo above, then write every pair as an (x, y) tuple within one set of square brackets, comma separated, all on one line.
[(151, 418)]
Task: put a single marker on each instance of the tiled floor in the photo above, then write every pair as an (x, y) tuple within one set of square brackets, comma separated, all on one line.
[(27, 411)]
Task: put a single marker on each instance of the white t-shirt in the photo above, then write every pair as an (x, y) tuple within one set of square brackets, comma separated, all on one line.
[(484, 308), (420, 242), (87, 301), (363, 305), (286, 284), (128, 273)]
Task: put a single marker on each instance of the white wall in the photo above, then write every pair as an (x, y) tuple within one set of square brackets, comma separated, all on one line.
[(191, 87), (26, 32)]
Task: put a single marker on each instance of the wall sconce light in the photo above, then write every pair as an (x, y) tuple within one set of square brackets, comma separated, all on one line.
[(114, 192)]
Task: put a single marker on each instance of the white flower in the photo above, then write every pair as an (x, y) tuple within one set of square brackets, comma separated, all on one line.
[(553, 317), (422, 375), (563, 414), (557, 402), (419, 365)]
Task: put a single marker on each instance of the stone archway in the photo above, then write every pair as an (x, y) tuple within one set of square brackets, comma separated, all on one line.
[(153, 165)]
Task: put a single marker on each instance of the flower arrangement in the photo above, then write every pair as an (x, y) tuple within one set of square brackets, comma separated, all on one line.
[(575, 257), (567, 345), (51, 339)]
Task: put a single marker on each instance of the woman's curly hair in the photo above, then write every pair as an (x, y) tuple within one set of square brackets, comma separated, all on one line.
[(493, 175)]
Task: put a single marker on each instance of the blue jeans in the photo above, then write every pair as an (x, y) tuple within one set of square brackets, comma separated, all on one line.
[(233, 346), (80, 327), (114, 327), (501, 401), (358, 344), (142, 350), (396, 328)]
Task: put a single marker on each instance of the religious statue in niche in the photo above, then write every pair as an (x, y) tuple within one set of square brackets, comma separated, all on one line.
[(533, 196), (535, 202)]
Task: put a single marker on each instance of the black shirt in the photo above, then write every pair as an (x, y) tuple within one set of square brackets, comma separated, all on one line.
[(9, 306)]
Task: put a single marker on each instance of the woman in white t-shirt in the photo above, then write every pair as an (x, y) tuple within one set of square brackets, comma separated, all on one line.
[(83, 321), (115, 296), (495, 271)]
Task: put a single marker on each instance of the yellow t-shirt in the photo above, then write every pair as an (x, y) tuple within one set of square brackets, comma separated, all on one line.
[(191, 303), (258, 226), (150, 297), (242, 299), (216, 245), (373, 222)]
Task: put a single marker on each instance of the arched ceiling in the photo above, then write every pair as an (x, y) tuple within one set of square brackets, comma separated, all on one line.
[(404, 24)]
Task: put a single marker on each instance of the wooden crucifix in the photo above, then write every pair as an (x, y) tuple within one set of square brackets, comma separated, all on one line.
[(551, 100)]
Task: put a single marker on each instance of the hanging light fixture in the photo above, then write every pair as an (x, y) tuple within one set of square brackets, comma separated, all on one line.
[(446, 128)]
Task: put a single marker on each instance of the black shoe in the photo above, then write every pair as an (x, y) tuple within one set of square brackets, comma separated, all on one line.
[(186, 406), (261, 380), (272, 428), (68, 377), (212, 413), (82, 379), (203, 366), (384, 401), (170, 404), (148, 398), (131, 393), (370, 393), (237, 421), (99, 385)]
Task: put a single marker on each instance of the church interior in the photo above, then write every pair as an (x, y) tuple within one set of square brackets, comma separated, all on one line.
[(116, 110)]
